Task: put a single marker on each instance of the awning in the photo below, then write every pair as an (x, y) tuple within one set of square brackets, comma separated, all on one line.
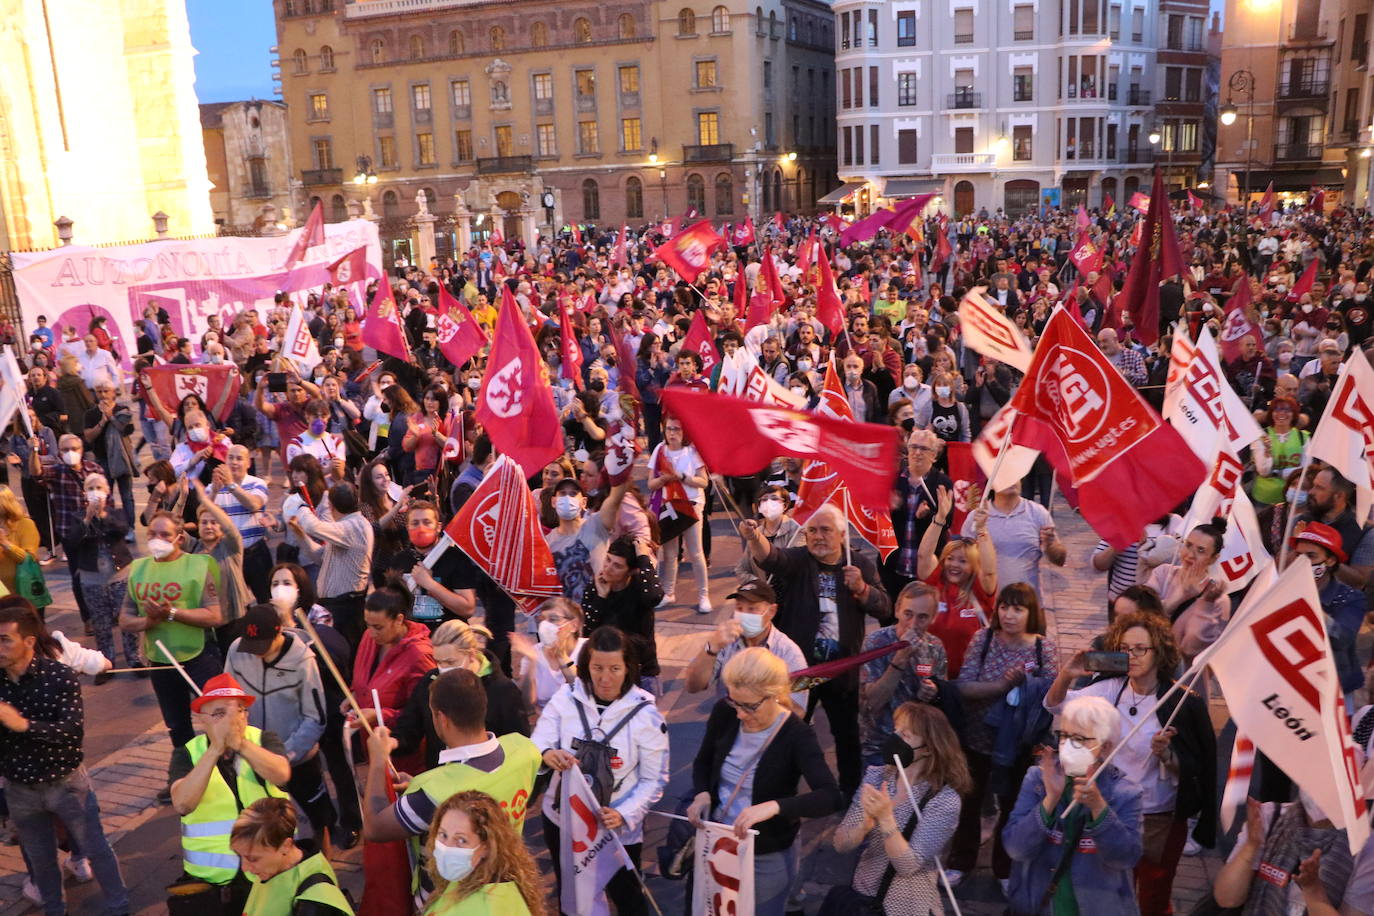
[(839, 195), (1290, 179), (911, 187)]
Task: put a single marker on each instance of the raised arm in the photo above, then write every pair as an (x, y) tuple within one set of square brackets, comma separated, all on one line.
[(926, 561)]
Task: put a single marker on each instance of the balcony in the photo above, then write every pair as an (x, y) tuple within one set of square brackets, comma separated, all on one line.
[(498, 165), (708, 152), (1298, 152), (1309, 33), (1305, 89), (543, 106), (962, 162), (1137, 96), (317, 177), (422, 115), (964, 98), (1138, 156)]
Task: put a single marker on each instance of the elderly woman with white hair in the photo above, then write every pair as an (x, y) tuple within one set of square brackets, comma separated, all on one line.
[(1067, 862)]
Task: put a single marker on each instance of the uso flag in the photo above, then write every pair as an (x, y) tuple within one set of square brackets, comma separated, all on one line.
[(589, 853), (1099, 433)]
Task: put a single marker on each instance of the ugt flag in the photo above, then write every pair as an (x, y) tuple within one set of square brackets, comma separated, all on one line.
[(988, 330), (690, 252), (589, 854), (1345, 436), (723, 883)]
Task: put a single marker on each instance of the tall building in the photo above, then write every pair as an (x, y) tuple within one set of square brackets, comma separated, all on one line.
[(1188, 65), (1276, 65), (248, 156), (539, 114), (993, 104), (1352, 100), (98, 122)]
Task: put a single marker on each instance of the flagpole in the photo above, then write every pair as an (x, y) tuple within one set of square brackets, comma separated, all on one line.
[(847, 556), (1292, 507), (916, 813), (177, 665), (1001, 455), (732, 511)]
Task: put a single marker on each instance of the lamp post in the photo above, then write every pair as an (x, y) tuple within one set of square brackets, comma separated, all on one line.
[(663, 182), (1242, 81)]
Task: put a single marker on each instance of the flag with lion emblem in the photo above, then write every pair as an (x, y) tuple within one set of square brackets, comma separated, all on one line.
[(515, 404)]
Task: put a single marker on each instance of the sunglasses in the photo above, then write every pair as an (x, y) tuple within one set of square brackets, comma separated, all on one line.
[(747, 707)]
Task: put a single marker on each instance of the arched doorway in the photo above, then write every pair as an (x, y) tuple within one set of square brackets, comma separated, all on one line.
[(963, 198), (510, 202), (1108, 190), (1021, 196), (1128, 191), (778, 203)]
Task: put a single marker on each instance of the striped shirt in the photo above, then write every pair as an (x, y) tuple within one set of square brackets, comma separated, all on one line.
[(347, 560), (247, 521)]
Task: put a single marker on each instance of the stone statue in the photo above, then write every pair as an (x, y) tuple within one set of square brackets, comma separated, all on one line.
[(421, 203)]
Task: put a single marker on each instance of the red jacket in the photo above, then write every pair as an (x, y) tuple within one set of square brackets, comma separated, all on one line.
[(397, 673)]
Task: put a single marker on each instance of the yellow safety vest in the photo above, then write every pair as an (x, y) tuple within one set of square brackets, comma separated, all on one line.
[(205, 831), (277, 895)]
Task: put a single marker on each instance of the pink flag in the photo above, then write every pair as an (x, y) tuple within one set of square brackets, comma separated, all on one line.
[(382, 328), (460, 336), (571, 368), (1083, 221), (311, 235), (829, 308)]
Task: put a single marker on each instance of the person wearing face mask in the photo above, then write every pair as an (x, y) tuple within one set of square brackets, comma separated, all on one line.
[(289, 879), (435, 600), (64, 477), (544, 664), (100, 553), (911, 674), (897, 870), (1344, 605), (860, 392), (479, 863), (202, 452), (579, 542), (456, 646), (776, 523), (750, 625), (316, 440), (107, 427), (917, 392)]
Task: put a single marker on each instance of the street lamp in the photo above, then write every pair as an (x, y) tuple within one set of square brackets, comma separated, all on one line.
[(663, 182), (792, 156), (1242, 81), (365, 175), (653, 151), (1154, 138)]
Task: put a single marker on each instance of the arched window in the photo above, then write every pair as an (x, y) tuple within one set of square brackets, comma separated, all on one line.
[(338, 209), (758, 20), (686, 22), (582, 29), (778, 203), (326, 58), (391, 205), (696, 194), (634, 198), (539, 35), (792, 28), (772, 24), (417, 47), (455, 43), (767, 189), (627, 25), (725, 195), (378, 48), (720, 19), (591, 200), (498, 38), (299, 61)]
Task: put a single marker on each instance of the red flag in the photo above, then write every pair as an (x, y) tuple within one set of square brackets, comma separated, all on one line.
[(1267, 202), (1140, 201), (690, 252), (627, 361), (620, 253), (738, 438), (1237, 324), (906, 217), (699, 341), (1108, 205), (968, 480), (1318, 202), (1194, 201), (515, 403), (1304, 284), (460, 336), (1083, 221), (770, 276), (571, 350), (1071, 305), (1101, 290), (758, 310), (829, 308), (216, 386), (778, 222), (670, 504), (1155, 260), (351, 268), (311, 235), (1087, 256), (382, 329), (942, 251), (807, 254), (743, 233), (498, 528), (1098, 432), (577, 235)]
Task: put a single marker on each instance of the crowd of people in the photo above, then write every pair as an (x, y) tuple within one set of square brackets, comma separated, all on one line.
[(327, 678)]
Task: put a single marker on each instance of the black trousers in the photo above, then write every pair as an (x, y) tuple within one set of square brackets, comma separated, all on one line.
[(840, 700), (348, 616), (308, 789), (623, 890), (341, 773)]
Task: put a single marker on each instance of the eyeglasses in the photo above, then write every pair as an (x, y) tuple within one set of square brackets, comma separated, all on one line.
[(1079, 741), (1137, 651), (747, 707)]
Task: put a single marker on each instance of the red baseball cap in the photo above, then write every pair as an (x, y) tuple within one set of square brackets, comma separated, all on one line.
[(222, 687), (1324, 536)]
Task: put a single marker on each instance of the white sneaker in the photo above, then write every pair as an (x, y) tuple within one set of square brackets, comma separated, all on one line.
[(1006, 887), (80, 869), (705, 607), (31, 892), (668, 600), (1192, 847), (954, 876)]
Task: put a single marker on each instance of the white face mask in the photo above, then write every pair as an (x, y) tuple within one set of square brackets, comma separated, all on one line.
[(798, 390), (942, 391), (338, 343), (548, 633), (803, 365), (911, 382), (771, 508), (750, 625), (475, 382), (285, 595), (160, 548), (567, 507), (72, 457), (198, 434), (97, 496), (454, 863), (1076, 761)]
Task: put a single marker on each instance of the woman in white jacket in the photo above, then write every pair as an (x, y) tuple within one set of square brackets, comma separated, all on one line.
[(604, 705)]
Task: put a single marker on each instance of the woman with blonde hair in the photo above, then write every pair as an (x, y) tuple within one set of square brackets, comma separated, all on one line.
[(755, 751), (965, 572), (479, 863), (18, 537), (897, 871), (288, 879), (545, 664)]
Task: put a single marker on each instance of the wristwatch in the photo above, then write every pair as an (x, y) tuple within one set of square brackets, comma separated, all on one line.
[(172, 614)]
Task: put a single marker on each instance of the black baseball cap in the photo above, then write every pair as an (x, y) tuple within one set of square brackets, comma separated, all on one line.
[(259, 626), (757, 591)]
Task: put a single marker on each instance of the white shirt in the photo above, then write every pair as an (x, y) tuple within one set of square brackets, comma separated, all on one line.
[(468, 751), (98, 367), (1159, 790)]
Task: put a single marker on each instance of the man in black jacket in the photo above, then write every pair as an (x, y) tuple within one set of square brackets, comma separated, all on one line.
[(821, 607)]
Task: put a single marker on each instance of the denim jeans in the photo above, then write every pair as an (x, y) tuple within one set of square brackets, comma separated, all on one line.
[(174, 694), (774, 875), (155, 434), (33, 808)]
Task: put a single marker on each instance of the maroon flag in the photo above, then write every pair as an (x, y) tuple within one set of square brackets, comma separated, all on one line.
[(829, 308), (571, 368), (460, 336), (906, 217), (1237, 323), (738, 437), (942, 250), (1087, 255), (807, 254), (1098, 432), (311, 235), (700, 342), (743, 233), (1304, 284), (382, 329), (770, 276), (620, 253), (1318, 202), (1267, 202), (864, 229), (625, 358), (815, 675), (1155, 260), (690, 252), (216, 386), (351, 268), (515, 403)]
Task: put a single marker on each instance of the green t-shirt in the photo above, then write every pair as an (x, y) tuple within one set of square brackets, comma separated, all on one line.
[(181, 583)]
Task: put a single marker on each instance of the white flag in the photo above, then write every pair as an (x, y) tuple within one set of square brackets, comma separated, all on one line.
[(589, 853), (12, 391), (1344, 438), (988, 330), (1180, 358), (723, 883), (741, 376), (1242, 550), (1237, 787), (989, 444), (299, 344), (1276, 668), (1205, 408)]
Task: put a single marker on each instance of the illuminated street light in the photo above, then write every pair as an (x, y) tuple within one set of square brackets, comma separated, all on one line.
[(1229, 114)]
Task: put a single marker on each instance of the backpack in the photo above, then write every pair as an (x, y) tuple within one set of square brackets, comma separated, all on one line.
[(594, 756)]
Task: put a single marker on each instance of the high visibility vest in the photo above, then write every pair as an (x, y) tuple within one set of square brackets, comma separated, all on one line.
[(205, 831), (179, 582), (312, 879)]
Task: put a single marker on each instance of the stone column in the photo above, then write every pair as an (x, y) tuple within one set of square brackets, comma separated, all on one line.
[(463, 217), (527, 227), (424, 239)]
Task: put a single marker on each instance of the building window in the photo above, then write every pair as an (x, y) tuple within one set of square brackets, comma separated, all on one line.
[(906, 147), (906, 89), (290, 8), (455, 43), (299, 62), (257, 177), (627, 25), (629, 135), (1187, 136), (539, 35), (844, 30), (588, 141), (845, 91), (591, 200), (584, 84), (545, 140), (696, 193), (378, 50), (873, 28), (725, 195), (391, 205), (873, 144), (543, 87), (708, 128), (424, 149), (417, 47), (873, 87), (1173, 83), (1137, 24), (326, 58), (848, 147), (319, 106), (963, 27), (582, 29), (706, 73), (419, 97), (505, 142), (381, 101), (462, 145), (1192, 85), (906, 28), (1023, 84), (1021, 148), (461, 91), (323, 150), (1114, 23), (338, 209), (720, 20), (768, 74), (634, 198), (386, 152), (963, 139), (686, 22), (629, 79), (859, 145)]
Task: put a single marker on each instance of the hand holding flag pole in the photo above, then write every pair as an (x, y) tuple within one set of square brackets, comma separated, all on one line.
[(1286, 546), (916, 813)]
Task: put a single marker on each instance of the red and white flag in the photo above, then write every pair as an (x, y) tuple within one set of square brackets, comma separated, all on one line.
[(670, 503), (689, 254), (1194, 202), (1101, 435), (1344, 438), (743, 233), (1238, 322), (1222, 495), (298, 344), (739, 438), (1277, 671), (515, 403), (349, 269), (723, 882), (1181, 353), (311, 235), (1267, 202), (498, 528), (1305, 282), (382, 328), (620, 253), (989, 445), (1140, 201), (988, 330), (1237, 787), (700, 342), (808, 253), (741, 376), (1205, 408), (829, 308), (589, 853), (1087, 255), (216, 386), (460, 336), (571, 350)]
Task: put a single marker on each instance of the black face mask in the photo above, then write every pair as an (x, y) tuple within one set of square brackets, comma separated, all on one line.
[(597, 385), (895, 745)]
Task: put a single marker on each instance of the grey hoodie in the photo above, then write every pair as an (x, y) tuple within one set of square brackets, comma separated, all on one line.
[(290, 694)]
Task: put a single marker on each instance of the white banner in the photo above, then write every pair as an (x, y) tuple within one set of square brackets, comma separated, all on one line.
[(989, 444), (12, 391), (299, 344), (743, 377), (589, 853), (1242, 550), (1206, 408), (192, 279), (723, 882)]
